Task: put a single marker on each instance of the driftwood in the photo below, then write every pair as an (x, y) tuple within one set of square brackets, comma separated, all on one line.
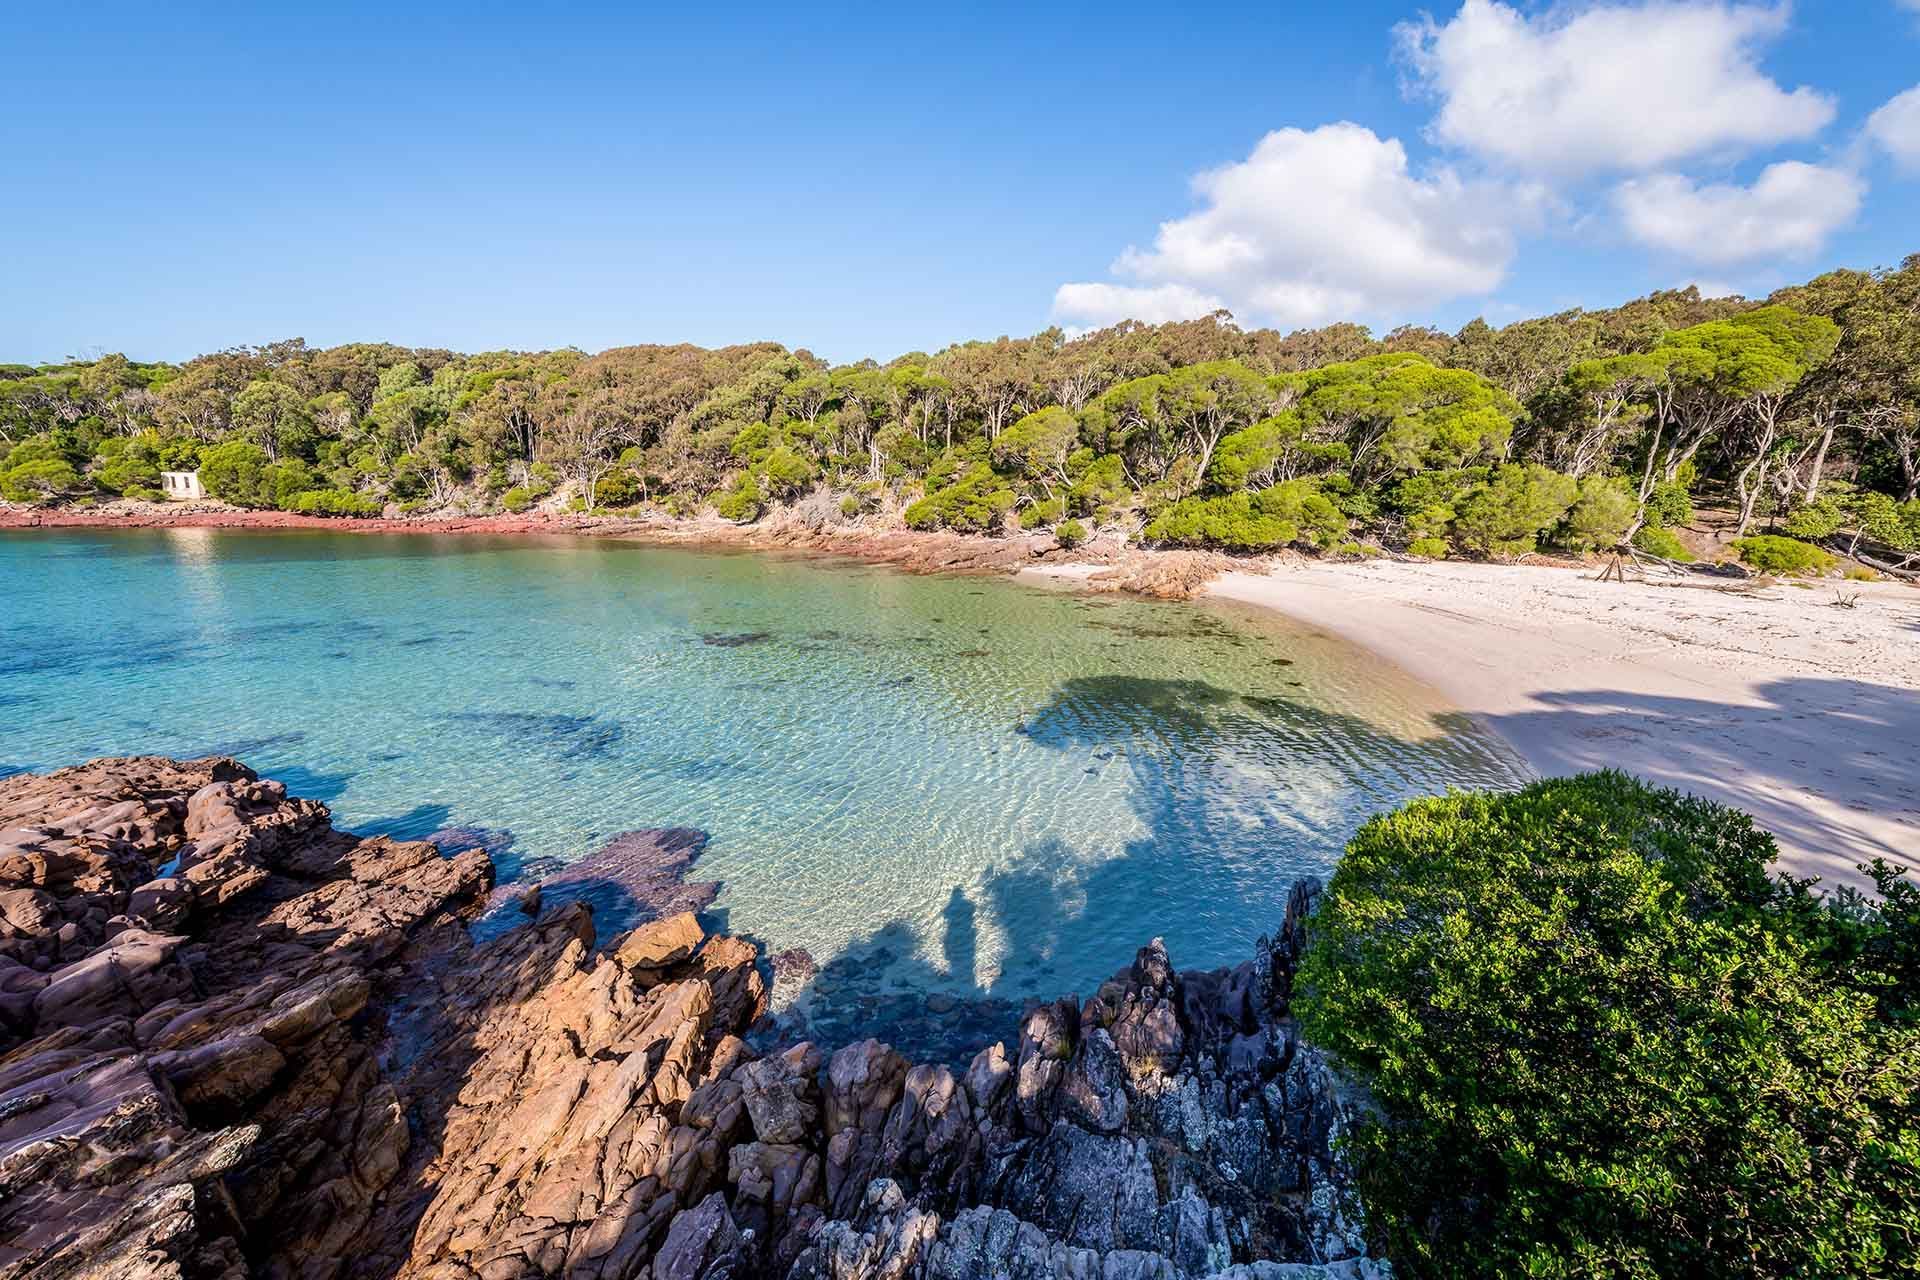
[(1880, 566)]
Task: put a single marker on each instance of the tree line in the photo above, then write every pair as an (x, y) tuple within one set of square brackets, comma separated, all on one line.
[(1582, 430)]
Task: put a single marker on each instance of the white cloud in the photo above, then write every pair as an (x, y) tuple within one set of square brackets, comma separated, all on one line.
[(1314, 226), (1788, 212), (1099, 304), (1896, 126), (1612, 87)]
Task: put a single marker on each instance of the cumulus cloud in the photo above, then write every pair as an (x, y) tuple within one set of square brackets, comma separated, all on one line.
[(1315, 225), (1788, 212), (1607, 88), (1895, 127)]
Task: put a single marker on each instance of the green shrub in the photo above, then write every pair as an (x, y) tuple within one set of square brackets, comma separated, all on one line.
[(1603, 1042), (231, 471), (1669, 504), (334, 502), (782, 474), (1656, 541), (1428, 548), (1860, 573), (850, 506), (1601, 513), (1505, 515), (281, 483), (975, 498), (1771, 554), (1044, 513), (743, 502), (1070, 534), (1817, 519), (1292, 511), (38, 480), (140, 493), (617, 488), (125, 468), (518, 499)]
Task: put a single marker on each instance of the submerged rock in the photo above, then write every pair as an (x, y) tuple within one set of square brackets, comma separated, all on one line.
[(234, 1041)]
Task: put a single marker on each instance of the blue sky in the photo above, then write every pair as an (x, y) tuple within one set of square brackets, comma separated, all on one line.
[(867, 182)]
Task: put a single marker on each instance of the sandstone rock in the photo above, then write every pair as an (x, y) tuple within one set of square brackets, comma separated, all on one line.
[(236, 1042), (660, 944)]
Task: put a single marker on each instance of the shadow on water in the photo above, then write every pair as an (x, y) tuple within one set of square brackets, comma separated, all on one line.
[(417, 823), (310, 784), (1181, 741)]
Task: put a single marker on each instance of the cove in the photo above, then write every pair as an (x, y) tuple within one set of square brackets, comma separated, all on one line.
[(946, 791)]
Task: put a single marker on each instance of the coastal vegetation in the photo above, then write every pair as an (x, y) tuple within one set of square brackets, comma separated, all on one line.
[(1604, 1041), (1582, 430)]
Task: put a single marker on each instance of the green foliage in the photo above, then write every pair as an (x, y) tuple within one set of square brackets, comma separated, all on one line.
[(1669, 504), (1818, 519), (334, 502), (38, 479), (783, 473), (1604, 1043), (1428, 548), (1505, 514), (1294, 511), (1602, 511), (1656, 541), (618, 488), (742, 502), (1893, 524), (1070, 534), (518, 498), (231, 471), (974, 499), (1042, 514), (282, 482), (1771, 554), (1399, 413), (127, 465), (850, 506)]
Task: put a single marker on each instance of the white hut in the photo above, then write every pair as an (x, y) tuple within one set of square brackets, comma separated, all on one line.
[(181, 486)]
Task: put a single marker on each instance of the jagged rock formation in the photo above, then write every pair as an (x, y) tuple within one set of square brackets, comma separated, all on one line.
[(234, 1041)]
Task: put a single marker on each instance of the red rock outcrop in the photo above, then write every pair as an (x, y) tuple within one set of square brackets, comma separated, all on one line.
[(234, 1041)]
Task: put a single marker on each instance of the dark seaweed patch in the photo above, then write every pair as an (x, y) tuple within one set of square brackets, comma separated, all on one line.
[(567, 737), (735, 639)]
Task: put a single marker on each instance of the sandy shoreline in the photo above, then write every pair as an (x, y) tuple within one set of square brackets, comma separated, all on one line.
[(1802, 712)]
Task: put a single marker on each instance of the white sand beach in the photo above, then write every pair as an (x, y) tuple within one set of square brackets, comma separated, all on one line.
[(1802, 711)]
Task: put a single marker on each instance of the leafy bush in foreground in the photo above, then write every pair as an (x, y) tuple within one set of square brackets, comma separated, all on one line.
[(1604, 1043), (1771, 554), (1070, 534)]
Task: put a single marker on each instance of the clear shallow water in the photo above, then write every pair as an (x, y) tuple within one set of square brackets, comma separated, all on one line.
[(956, 784)]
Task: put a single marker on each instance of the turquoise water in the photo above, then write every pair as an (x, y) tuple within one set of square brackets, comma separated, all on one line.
[(957, 784)]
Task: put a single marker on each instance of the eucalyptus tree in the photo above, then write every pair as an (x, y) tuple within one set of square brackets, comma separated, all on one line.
[(1801, 344), (1399, 413), (1615, 395)]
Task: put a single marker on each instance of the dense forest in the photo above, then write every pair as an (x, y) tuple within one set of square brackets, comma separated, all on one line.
[(1800, 414)]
